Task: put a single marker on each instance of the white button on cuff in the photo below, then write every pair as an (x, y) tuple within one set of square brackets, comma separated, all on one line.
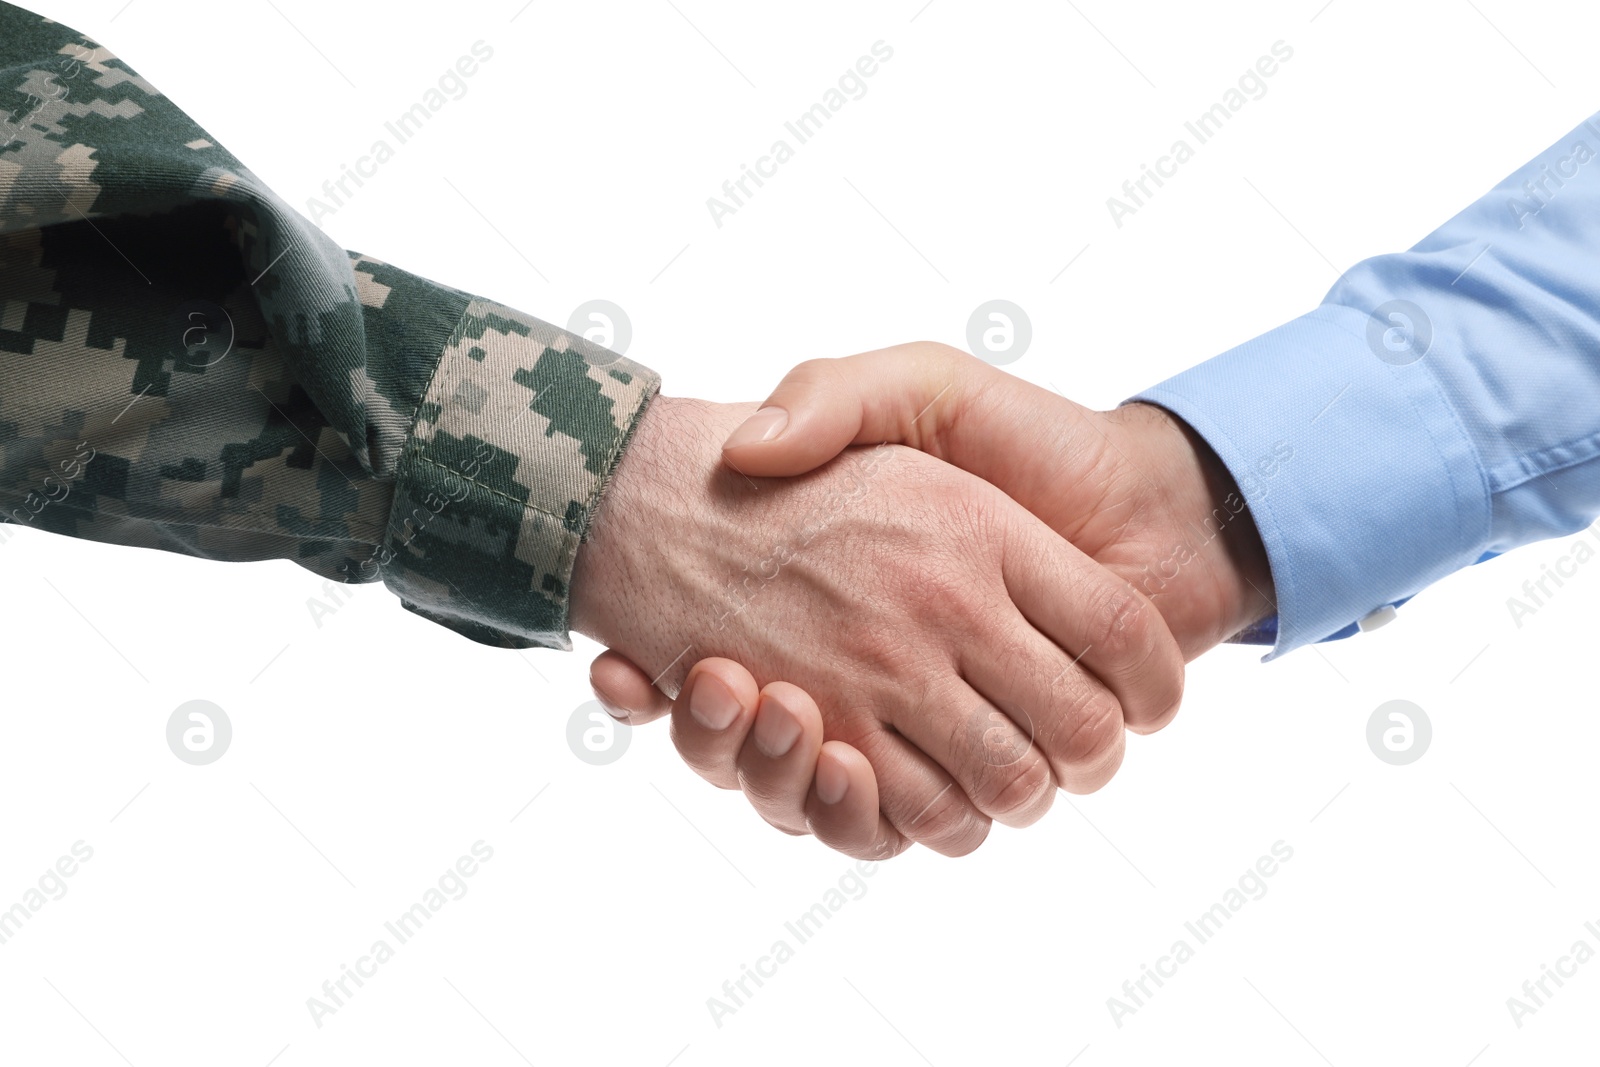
[(1383, 616)]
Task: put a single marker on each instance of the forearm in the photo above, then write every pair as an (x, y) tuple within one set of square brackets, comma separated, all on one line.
[(191, 365)]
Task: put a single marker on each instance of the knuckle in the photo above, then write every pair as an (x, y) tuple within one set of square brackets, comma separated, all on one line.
[(892, 649), (941, 352), (934, 589), (855, 721), (1120, 626), (1090, 777), (965, 845), (814, 371), (765, 795), (948, 824), (1163, 704), (1093, 727), (1016, 790)]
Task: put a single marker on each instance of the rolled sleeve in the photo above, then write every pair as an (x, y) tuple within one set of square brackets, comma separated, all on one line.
[(514, 440)]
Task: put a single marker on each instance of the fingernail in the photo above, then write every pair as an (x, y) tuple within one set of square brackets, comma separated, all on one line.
[(832, 782), (776, 730), (620, 714), (711, 704), (764, 425)]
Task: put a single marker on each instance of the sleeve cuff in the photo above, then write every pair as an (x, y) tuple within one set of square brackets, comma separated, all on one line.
[(1360, 477), (512, 445)]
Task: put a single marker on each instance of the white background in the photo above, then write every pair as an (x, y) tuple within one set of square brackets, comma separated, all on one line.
[(372, 751)]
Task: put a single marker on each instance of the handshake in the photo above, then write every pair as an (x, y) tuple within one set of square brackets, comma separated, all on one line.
[(911, 594)]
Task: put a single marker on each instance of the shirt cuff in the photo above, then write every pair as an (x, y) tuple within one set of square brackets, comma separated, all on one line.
[(512, 445), (1360, 476)]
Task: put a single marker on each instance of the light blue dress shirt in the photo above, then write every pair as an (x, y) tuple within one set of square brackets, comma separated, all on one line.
[(1442, 406)]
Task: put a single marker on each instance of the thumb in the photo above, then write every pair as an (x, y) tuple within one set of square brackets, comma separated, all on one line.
[(626, 690), (902, 395)]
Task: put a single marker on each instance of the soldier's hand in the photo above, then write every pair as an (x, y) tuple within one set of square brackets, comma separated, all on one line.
[(774, 750), (975, 659)]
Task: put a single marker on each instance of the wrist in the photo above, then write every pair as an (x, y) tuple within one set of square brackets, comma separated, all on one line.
[(601, 571), (662, 515), (1210, 578)]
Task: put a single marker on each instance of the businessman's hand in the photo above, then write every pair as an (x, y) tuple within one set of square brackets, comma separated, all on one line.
[(1134, 488), (912, 600)]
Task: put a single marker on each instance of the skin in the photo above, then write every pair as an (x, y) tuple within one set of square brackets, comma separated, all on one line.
[(1133, 488), (906, 601)]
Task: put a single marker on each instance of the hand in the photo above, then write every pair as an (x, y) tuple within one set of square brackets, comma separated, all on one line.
[(913, 601), (1134, 488), (822, 786)]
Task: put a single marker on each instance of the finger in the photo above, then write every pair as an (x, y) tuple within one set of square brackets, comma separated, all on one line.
[(823, 406), (1067, 714), (986, 753), (930, 396), (919, 799), (779, 755), (842, 806), (624, 689), (1098, 619), (711, 718)]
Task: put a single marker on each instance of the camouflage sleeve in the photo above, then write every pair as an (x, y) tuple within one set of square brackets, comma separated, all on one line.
[(186, 363)]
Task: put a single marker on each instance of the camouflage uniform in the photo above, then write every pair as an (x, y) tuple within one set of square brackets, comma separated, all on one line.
[(187, 363)]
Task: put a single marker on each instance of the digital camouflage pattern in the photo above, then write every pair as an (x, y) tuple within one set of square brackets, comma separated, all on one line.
[(186, 363)]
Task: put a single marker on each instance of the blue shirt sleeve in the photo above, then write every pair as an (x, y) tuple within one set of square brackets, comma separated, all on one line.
[(1440, 407)]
